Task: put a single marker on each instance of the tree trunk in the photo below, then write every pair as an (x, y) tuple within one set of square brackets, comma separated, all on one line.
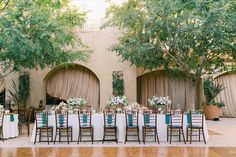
[(191, 96)]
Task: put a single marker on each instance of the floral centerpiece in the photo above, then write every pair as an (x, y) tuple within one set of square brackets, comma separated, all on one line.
[(61, 106), (133, 106), (76, 102), (1, 108), (159, 102), (117, 102)]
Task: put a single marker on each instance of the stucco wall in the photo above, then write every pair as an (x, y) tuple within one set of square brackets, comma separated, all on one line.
[(102, 62)]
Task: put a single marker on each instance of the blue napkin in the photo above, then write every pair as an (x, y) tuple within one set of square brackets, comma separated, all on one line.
[(109, 119), (167, 117), (188, 118), (12, 117), (44, 118), (147, 118), (130, 119), (85, 118), (61, 120)]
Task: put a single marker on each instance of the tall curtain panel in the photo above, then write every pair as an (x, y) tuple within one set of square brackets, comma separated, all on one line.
[(158, 83), (76, 81), (228, 95)]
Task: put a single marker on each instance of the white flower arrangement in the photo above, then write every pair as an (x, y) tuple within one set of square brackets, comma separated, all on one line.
[(132, 106), (159, 101), (76, 102), (118, 100), (1, 107)]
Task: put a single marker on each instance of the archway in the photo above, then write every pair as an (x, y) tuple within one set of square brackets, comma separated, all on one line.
[(157, 83), (73, 80), (228, 95)]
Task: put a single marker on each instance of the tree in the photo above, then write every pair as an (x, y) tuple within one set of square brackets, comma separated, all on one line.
[(38, 33), (191, 37)]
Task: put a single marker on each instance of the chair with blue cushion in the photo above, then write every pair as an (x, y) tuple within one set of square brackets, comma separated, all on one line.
[(195, 125), (85, 126), (150, 125), (1, 124), (63, 129), (132, 125), (110, 128), (175, 128), (42, 127)]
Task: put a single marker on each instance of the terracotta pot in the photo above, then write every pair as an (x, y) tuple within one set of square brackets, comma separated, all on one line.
[(211, 111)]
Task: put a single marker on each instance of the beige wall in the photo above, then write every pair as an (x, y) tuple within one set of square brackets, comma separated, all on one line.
[(102, 62)]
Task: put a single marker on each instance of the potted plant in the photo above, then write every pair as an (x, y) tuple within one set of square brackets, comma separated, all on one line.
[(212, 108)]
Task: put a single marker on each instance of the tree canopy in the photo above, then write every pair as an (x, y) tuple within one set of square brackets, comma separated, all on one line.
[(191, 37), (38, 33)]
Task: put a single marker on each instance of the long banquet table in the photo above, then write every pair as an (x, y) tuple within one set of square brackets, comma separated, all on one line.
[(98, 122)]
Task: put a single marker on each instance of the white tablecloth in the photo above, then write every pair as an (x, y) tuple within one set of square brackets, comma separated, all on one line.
[(98, 123), (10, 128)]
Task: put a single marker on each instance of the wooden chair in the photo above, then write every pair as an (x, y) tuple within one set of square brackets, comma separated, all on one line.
[(85, 118), (1, 125), (175, 126), (132, 125), (42, 127), (24, 116), (62, 125), (110, 128), (150, 125), (195, 124)]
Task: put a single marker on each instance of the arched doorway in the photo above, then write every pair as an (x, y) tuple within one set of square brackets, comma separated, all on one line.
[(228, 95), (73, 81), (157, 83)]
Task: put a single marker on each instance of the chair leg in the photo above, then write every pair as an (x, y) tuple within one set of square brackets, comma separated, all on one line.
[(203, 136), (80, 136), (167, 134), (183, 135), (51, 134), (47, 136), (2, 135), (35, 137), (92, 134), (116, 135), (199, 134), (28, 130), (67, 135), (55, 137), (187, 134), (126, 134), (104, 132), (179, 135), (138, 135), (191, 134), (40, 132), (157, 137), (170, 135), (71, 134), (144, 137)]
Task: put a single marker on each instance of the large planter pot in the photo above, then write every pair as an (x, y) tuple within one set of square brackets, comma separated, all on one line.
[(211, 111)]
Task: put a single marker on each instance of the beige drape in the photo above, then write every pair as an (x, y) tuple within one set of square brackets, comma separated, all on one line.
[(158, 84), (228, 95), (2, 85), (74, 82)]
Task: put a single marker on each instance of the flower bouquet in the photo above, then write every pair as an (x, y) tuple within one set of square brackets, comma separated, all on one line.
[(1, 108), (159, 103), (75, 103), (133, 106), (117, 102)]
